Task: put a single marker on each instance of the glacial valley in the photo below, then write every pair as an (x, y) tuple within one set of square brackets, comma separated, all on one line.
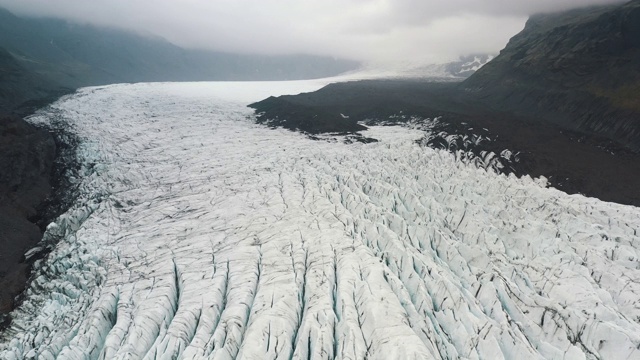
[(201, 234)]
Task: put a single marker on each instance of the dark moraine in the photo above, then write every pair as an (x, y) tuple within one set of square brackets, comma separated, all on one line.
[(31, 173), (573, 161), (26, 161), (34, 190), (564, 94)]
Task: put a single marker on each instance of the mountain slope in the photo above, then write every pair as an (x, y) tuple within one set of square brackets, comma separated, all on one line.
[(19, 85), (579, 69), (75, 55)]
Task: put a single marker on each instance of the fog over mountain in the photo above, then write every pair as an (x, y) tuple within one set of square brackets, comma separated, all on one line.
[(362, 30)]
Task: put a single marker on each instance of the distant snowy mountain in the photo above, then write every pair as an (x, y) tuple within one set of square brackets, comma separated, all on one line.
[(462, 68), (468, 65), (201, 234)]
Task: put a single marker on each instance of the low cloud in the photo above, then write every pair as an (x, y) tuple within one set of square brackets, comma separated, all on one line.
[(380, 30)]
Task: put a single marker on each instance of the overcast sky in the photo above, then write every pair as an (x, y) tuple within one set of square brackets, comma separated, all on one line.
[(375, 30)]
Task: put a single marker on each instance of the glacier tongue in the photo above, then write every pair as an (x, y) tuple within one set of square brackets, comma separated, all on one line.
[(202, 235)]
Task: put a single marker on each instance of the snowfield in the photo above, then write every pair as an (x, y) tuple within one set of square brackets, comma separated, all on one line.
[(199, 234)]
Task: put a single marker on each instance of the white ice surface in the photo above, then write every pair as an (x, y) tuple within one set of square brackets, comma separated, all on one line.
[(411, 69), (200, 234)]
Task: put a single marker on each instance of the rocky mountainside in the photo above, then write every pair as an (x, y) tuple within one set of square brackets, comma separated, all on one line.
[(564, 95), (579, 69), (21, 89)]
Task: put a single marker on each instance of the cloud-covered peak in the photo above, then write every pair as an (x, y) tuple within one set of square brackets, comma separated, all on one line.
[(359, 29)]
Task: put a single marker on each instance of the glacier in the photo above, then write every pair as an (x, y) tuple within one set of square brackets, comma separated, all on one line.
[(199, 234)]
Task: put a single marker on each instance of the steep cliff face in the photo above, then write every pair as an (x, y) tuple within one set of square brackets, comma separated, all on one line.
[(579, 69)]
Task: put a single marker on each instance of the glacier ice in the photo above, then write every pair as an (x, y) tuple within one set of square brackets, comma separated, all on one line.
[(199, 234)]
